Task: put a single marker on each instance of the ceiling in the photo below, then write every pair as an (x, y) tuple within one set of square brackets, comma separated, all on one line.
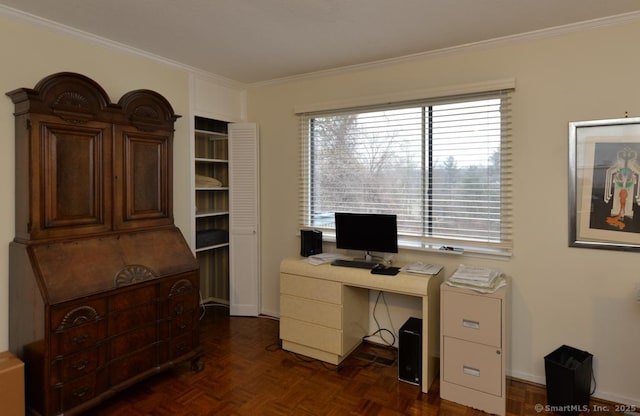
[(253, 41)]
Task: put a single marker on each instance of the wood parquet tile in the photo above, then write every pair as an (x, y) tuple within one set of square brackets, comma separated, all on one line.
[(246, 373)]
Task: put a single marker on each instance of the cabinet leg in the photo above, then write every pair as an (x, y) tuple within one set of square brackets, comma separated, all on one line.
[(197, 365)]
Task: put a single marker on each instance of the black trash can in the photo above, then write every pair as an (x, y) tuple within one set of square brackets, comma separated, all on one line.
[(568, 374)]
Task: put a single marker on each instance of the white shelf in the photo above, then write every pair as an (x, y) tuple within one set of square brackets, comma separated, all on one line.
[(207, 248), (211, 209), (208, 160), (212, 135), (210, 213), (212, 189)]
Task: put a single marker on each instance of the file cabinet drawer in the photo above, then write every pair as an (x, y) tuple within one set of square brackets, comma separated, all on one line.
[(472, 317), (475, 366), (310, 288), (312, 311)]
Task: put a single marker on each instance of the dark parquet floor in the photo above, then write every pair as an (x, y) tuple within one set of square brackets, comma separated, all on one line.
[(246, 373)]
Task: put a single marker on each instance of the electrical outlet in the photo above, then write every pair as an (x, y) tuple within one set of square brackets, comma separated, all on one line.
[(638, 292)]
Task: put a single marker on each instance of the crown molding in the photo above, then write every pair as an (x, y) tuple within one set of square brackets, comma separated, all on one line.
[(616, 20), (117, 46), (228, 82)]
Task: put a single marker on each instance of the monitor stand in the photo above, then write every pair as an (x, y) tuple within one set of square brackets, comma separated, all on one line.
[(378, 259)]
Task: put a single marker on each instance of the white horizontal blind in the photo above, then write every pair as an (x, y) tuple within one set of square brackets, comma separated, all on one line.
[(442, 166)]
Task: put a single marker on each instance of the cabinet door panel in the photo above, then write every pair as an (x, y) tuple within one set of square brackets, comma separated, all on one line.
[(74, 179), (143, 188)]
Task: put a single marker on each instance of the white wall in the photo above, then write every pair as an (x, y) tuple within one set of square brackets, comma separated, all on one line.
[(31, 52), (561, 295)]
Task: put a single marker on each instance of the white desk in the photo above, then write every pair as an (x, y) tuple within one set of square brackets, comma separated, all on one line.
[(324, 310)]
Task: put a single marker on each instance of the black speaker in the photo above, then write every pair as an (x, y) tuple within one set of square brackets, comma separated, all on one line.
[(310, 242), (410, 351)]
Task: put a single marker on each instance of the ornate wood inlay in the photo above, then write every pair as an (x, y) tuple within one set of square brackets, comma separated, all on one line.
[(133, 273), (72, 99), (78, 316), (180, 287), (145, 111)]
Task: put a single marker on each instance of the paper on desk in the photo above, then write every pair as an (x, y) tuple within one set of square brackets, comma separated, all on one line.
[(495, 285), (422, 268), (323, 258), (481, 279)]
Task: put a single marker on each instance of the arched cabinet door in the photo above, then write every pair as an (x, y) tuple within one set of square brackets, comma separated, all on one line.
[(143, 169), (87, 166), (63, 157)]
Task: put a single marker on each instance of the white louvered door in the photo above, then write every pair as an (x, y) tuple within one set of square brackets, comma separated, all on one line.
[(244, 255)]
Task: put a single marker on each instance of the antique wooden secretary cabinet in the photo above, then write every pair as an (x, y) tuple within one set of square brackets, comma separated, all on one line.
[(104, 290)]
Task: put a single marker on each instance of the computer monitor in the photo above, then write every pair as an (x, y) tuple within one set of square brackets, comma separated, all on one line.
[(367, 232)]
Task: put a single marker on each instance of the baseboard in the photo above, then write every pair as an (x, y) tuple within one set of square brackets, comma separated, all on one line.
[(601, 395), (214, 301), (267, 312)]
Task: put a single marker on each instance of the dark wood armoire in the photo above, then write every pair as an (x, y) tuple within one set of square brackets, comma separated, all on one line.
[(104, 290)]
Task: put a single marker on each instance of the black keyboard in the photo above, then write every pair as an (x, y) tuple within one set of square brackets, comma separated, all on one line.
[(360, 264)]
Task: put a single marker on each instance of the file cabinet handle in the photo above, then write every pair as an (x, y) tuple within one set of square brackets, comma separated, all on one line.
[(471, 371), (468, 323)]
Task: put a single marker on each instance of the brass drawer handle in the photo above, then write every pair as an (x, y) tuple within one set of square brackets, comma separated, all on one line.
[(80, 365), (182, 325), (81, 391), (80, 339)]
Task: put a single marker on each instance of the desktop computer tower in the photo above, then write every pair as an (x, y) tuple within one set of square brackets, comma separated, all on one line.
[(410, 351)]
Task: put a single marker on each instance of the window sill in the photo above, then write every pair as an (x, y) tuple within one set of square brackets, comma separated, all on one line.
[(450, 250)]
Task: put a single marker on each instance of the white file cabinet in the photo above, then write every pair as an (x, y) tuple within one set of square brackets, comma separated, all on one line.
[(473, 347)]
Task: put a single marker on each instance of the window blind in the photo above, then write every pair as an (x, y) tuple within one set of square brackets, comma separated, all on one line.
[(443, 166)]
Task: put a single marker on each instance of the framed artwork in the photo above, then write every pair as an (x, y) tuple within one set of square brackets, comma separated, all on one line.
[(604, 184)]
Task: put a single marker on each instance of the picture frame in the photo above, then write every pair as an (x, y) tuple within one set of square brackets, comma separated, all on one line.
[(604, 184)]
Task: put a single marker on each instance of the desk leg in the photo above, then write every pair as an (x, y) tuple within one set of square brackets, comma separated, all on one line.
[(427, 376), (430, 333)]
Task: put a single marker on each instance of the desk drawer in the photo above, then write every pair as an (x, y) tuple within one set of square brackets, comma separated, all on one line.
[(472, 317), (73, 366), (306, 287), (312, 335), (312, 311), (475, 366)]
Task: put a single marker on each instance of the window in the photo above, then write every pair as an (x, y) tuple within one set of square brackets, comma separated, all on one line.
[(442, 166)]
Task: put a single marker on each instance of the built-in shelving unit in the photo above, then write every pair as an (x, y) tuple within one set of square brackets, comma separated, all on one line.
[(211, 187)]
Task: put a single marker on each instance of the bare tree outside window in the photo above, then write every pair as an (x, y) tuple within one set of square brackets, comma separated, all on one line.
[(438, 168)]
